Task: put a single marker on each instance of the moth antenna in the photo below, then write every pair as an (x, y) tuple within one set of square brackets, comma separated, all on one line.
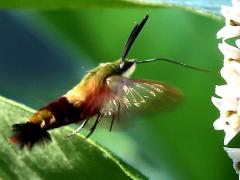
[(135, 32), (175, 62)]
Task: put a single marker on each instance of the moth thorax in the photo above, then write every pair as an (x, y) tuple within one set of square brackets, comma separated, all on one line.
[(129, 71)]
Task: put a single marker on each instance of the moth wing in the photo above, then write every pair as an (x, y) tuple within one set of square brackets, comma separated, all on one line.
[(133, 95)]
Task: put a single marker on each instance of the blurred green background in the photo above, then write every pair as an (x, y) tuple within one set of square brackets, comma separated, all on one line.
[(44, 54)]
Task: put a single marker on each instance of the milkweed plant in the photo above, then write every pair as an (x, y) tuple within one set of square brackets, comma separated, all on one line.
[(228, 100)]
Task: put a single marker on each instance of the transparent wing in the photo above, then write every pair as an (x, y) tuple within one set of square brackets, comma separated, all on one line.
[(124, 97), (128, 95)]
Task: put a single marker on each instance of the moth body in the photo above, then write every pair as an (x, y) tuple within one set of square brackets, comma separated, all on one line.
[(82, 102)]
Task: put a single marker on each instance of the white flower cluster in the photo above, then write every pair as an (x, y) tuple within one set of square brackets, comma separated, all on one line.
[(229, 101)]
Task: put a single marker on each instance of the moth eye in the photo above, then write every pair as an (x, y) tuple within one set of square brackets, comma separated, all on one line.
[(121, 64)]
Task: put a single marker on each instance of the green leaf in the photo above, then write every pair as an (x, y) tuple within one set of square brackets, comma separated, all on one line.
[(75, 158), (55, 4), (199, 6)]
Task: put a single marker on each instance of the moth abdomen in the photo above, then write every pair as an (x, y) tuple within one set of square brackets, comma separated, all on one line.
[(62, 113), (35, 130)]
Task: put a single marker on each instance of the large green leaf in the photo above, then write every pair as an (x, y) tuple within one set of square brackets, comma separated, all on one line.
[(198, 6), (75, 158), (55, 4)]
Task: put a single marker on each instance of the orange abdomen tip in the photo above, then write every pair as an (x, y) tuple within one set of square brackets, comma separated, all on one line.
[(13, 139)]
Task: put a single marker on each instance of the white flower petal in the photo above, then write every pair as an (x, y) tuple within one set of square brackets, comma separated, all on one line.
[(238, 43), (231, 126), (236, 3), (236, 65), (220, 124), (228, 91), (229, 104), (238, 107), (229, 134), (234, 154), (229, 73), (226, 11), (228, 32), (225, 104), (234, 121), (230, 13), (226, 61), (229, 51), (217, 102), (236, 9), (222, 91)]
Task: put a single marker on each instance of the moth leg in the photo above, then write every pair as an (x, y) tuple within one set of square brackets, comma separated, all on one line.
[(94, 125), (118, 111), (112, 121), (78, 129)]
